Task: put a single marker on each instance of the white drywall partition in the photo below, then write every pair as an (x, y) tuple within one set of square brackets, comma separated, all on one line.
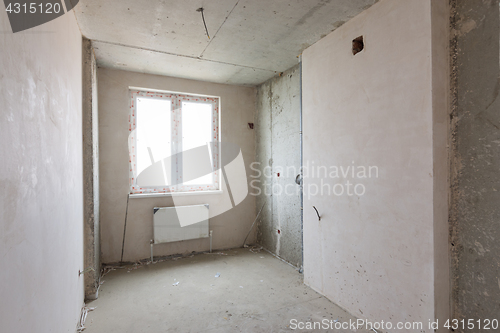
[(373, 251), (41, 191)]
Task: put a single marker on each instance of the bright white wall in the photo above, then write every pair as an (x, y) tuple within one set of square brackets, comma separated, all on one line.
[(229, 228), (41, 226), (375, 254)]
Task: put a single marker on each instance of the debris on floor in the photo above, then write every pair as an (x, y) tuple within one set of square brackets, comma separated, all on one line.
[(176, 284), (135, 266), (217, 275), (255, 249), (83, 317), (130, 266), (217, 253), (181, 257), (106, 269)]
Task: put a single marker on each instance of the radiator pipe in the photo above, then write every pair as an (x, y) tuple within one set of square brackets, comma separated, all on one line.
[(152, 242), (211, 232), (124, 228)]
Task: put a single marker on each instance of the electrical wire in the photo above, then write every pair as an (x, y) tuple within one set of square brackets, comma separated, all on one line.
[(203, 17)]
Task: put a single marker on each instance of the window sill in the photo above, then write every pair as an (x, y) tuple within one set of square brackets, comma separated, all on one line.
[(174, 194)]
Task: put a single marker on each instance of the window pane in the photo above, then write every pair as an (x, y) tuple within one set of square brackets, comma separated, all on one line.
[(196, 131), (153, 133)]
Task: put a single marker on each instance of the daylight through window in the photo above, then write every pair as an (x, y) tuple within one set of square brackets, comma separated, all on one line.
[(173, 142)]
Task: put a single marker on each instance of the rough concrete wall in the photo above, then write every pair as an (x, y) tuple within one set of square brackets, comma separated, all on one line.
[(475, 210), (278, 157), (229, 228), (373, 250), (266, 232), (41, 201), (440, 64), (90, 170)]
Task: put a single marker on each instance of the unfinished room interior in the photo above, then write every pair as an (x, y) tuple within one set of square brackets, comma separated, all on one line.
[(250, 166)]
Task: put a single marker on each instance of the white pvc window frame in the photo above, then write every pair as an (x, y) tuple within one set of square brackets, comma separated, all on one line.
[(176, 142)]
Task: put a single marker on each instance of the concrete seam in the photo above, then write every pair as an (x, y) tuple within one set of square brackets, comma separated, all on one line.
[(236, 4), (179, 55)]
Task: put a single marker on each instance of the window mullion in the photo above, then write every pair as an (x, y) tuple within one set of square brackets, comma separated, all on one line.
[(173, 147), (216, 143), (178, 125)]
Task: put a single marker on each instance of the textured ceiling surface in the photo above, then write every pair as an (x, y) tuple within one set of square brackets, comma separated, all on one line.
[(250, 40)]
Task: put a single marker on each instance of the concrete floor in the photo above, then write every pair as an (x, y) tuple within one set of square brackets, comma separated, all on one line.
[(255, 293)]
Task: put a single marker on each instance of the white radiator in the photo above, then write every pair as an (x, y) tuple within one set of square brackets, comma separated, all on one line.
[(172, 224)]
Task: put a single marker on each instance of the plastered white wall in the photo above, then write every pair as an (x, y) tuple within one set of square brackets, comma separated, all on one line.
[(374, 254), (41, 226), (229, 228)]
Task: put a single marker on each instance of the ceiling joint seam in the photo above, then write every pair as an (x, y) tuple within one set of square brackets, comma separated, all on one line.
[(206, 47), (181, 55)]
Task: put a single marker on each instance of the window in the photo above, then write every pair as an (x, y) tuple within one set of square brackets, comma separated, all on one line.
[(173, 142)]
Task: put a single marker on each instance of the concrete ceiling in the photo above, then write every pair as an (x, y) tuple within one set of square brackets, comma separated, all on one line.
[(251, 40)]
